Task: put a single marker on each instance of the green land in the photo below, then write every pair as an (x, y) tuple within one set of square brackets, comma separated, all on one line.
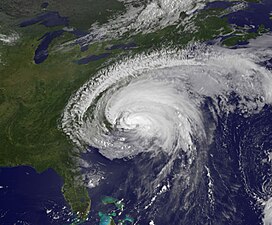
[(32, 97)]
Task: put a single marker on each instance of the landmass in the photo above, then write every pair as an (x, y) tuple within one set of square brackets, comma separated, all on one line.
[(33, 95)]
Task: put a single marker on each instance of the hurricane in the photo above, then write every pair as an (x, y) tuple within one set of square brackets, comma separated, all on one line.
[(161, 110)]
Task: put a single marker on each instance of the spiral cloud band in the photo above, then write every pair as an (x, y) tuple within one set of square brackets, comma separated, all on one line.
[(153, 103)]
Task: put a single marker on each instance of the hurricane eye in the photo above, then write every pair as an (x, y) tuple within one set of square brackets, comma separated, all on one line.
[(166, 109)]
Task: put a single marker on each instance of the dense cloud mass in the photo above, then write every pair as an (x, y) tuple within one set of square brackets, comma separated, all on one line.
[(138, 95), (152, 103)]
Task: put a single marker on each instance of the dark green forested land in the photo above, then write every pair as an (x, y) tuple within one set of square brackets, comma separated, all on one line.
[(32, 97)]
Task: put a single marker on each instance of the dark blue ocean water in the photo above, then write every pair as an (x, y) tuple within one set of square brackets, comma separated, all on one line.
[(240, 145), (238, 164), (28, 197), (253, 17)]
